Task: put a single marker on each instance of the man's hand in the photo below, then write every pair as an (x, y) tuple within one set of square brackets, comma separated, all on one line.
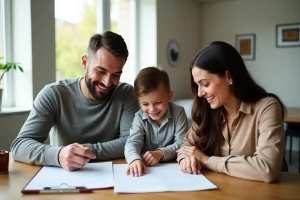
[(190, 165), (136, 168), (151, 158), (74, 156)]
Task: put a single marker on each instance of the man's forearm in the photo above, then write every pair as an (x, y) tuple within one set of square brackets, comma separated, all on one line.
[(33, 152)]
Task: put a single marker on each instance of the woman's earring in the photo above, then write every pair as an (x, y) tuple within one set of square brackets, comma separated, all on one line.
[(230, 83)]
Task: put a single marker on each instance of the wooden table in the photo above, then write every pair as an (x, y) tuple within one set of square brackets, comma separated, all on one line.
[(229, 188), (293, 115)]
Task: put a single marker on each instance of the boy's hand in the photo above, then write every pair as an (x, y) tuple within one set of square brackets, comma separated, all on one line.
[(151, 158), (136, 168)]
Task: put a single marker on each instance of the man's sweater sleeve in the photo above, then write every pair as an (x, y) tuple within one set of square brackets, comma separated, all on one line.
[(28, 147)]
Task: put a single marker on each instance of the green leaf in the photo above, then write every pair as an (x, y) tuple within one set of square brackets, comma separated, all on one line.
[(8, 66), (20, 68)]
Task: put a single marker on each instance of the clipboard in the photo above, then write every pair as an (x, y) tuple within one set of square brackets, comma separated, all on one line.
[(50, 179)]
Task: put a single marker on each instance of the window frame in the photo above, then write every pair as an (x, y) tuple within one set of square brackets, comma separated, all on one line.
[(104, 24), (8, 82)]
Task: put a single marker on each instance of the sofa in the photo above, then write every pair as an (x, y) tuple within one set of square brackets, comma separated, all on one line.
[(187, 104)]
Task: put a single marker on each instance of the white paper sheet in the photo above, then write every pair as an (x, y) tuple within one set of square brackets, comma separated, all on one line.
[(160, 178), (91, 176)]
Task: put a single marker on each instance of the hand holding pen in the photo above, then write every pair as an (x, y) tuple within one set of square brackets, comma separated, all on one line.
[(74, 156)]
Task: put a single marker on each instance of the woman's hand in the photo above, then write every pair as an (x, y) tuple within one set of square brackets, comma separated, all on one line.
[(193, 151), (190, 165), (136, 168)]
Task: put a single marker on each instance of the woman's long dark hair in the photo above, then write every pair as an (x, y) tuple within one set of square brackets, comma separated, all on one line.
[(218, 58)]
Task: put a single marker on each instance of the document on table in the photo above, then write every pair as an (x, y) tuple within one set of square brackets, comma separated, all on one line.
[(91, 176), (160, 178)]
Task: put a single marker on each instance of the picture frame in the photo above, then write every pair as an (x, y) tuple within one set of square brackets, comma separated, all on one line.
[(245, 45), (288, 35), (173, 53)]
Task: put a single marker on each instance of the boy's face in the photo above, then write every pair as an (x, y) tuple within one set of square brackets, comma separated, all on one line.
[(155, 103)]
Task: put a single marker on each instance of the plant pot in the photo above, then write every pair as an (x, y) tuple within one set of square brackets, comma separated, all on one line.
[(1, 91)]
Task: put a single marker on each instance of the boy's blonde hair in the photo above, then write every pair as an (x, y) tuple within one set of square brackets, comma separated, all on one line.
[(149, 79)]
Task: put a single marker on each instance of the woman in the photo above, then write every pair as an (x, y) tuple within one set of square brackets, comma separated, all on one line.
[(238, 126)]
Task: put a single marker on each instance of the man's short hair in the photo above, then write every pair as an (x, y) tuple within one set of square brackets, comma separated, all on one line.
[(111, 41)]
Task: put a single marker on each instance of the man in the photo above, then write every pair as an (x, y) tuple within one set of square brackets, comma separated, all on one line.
[(89, 117)]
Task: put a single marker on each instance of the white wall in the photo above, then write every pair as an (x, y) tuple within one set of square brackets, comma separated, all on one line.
[(178, 20), (276, 69), (43, 43), (10, 125), (159, 22)]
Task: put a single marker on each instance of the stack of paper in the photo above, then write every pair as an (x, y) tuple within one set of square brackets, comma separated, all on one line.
[(160, 178)]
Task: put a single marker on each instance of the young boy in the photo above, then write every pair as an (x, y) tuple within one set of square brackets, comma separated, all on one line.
[(158, 127)]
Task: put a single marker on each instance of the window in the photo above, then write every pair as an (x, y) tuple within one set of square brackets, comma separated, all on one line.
[(122, 21), (5, 52), (76, 23), (1, 29)]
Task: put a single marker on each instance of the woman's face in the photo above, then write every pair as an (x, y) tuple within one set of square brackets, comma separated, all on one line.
[(212, 87)]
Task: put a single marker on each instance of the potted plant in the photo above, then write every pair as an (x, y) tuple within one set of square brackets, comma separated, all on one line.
[(4, 68)]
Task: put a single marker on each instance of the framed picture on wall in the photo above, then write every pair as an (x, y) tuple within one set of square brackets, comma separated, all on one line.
[(245, 45), (288, 35), (173, 53)]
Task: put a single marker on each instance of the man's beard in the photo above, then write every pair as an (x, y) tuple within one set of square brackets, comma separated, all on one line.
[(91, 87)]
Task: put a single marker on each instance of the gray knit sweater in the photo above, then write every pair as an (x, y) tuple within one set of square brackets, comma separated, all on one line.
[(61, 110)]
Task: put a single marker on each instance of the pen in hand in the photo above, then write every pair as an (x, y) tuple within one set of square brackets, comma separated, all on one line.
[(75, 156)]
